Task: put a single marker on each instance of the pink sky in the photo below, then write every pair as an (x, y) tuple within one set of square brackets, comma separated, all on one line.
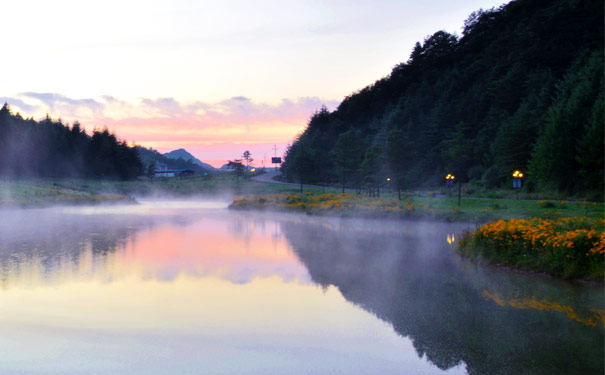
[(212, 132), (215, 78)]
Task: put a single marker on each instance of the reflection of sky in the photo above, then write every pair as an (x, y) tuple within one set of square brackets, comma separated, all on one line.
[(209, 292), (206, 247)]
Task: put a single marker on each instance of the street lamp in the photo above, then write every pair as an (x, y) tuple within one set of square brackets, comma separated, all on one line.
[(517, 181), (450, 184)]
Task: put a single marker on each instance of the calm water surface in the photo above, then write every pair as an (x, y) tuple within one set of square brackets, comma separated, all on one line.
[(192, 288)]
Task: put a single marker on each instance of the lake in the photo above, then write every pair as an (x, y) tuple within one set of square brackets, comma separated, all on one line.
[(189, 287)]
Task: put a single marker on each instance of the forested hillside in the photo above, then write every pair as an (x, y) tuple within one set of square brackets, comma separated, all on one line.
[(521, 88), (149, 156), (49, 148)]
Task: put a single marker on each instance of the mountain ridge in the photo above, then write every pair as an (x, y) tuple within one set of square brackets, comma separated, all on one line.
[(149, 156), (186, 155)]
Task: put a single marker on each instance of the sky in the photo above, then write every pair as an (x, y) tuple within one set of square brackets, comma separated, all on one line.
[(214, 77)]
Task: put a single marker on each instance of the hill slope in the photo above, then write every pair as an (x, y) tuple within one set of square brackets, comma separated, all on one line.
[(185, 155), (522, 88), (150, 156)]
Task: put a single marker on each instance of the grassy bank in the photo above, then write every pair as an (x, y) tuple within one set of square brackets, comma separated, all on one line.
[(51, 191), (565, 247), (428, 207), (27, 194), (314, 200)]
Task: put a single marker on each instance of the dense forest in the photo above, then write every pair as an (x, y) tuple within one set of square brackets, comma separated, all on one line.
[(521, 88), (49, 148)]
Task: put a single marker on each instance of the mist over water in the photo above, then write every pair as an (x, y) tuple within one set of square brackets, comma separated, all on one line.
[(190, 287)]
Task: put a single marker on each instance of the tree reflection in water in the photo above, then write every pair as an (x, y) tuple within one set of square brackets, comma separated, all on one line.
[(408, 277)]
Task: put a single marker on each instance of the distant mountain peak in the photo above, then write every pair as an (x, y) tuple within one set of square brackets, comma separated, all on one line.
[(185, 155)]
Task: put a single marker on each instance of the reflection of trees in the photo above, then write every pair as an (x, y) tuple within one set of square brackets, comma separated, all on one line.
[(427, 295), (53, 240)]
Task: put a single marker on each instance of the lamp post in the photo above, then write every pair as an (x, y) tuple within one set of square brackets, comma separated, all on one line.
[(517, 181), (449, 180)]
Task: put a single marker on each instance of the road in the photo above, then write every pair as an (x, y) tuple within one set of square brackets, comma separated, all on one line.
[(268, 177)]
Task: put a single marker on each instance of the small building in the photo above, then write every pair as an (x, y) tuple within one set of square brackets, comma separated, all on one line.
[(171, 173)]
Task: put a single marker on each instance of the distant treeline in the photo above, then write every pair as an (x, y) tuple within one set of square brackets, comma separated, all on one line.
[(49, 148), (522, 88)]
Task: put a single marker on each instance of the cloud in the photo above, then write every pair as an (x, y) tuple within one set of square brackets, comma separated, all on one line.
[(18, 103), (166, 123), (53, 100)]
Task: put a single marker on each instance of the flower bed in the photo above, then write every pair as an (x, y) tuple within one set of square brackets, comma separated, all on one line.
[(339, 204), (565, 247)]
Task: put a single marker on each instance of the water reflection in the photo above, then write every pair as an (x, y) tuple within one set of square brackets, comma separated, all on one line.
[(178, 289), (454, 311), (190, 287), (59, 246)]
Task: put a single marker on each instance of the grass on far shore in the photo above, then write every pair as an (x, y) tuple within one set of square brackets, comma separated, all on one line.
[(411, 206), (429, 204), (26, 194)]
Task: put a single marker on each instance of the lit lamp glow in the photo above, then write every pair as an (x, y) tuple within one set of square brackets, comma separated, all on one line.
[(449, 180)]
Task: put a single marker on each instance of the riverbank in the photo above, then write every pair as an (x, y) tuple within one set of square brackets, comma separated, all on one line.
[(416, 207), (28, 195), (318, 200), (569, 248)]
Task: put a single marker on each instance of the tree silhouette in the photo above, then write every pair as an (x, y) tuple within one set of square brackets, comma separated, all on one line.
[(237, 167)]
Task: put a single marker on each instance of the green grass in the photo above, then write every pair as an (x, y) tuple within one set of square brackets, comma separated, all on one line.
[(440, 208), (36, 192), (41, 194)]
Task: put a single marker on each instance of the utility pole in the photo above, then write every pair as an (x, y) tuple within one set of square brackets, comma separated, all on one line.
[(275, 149)]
